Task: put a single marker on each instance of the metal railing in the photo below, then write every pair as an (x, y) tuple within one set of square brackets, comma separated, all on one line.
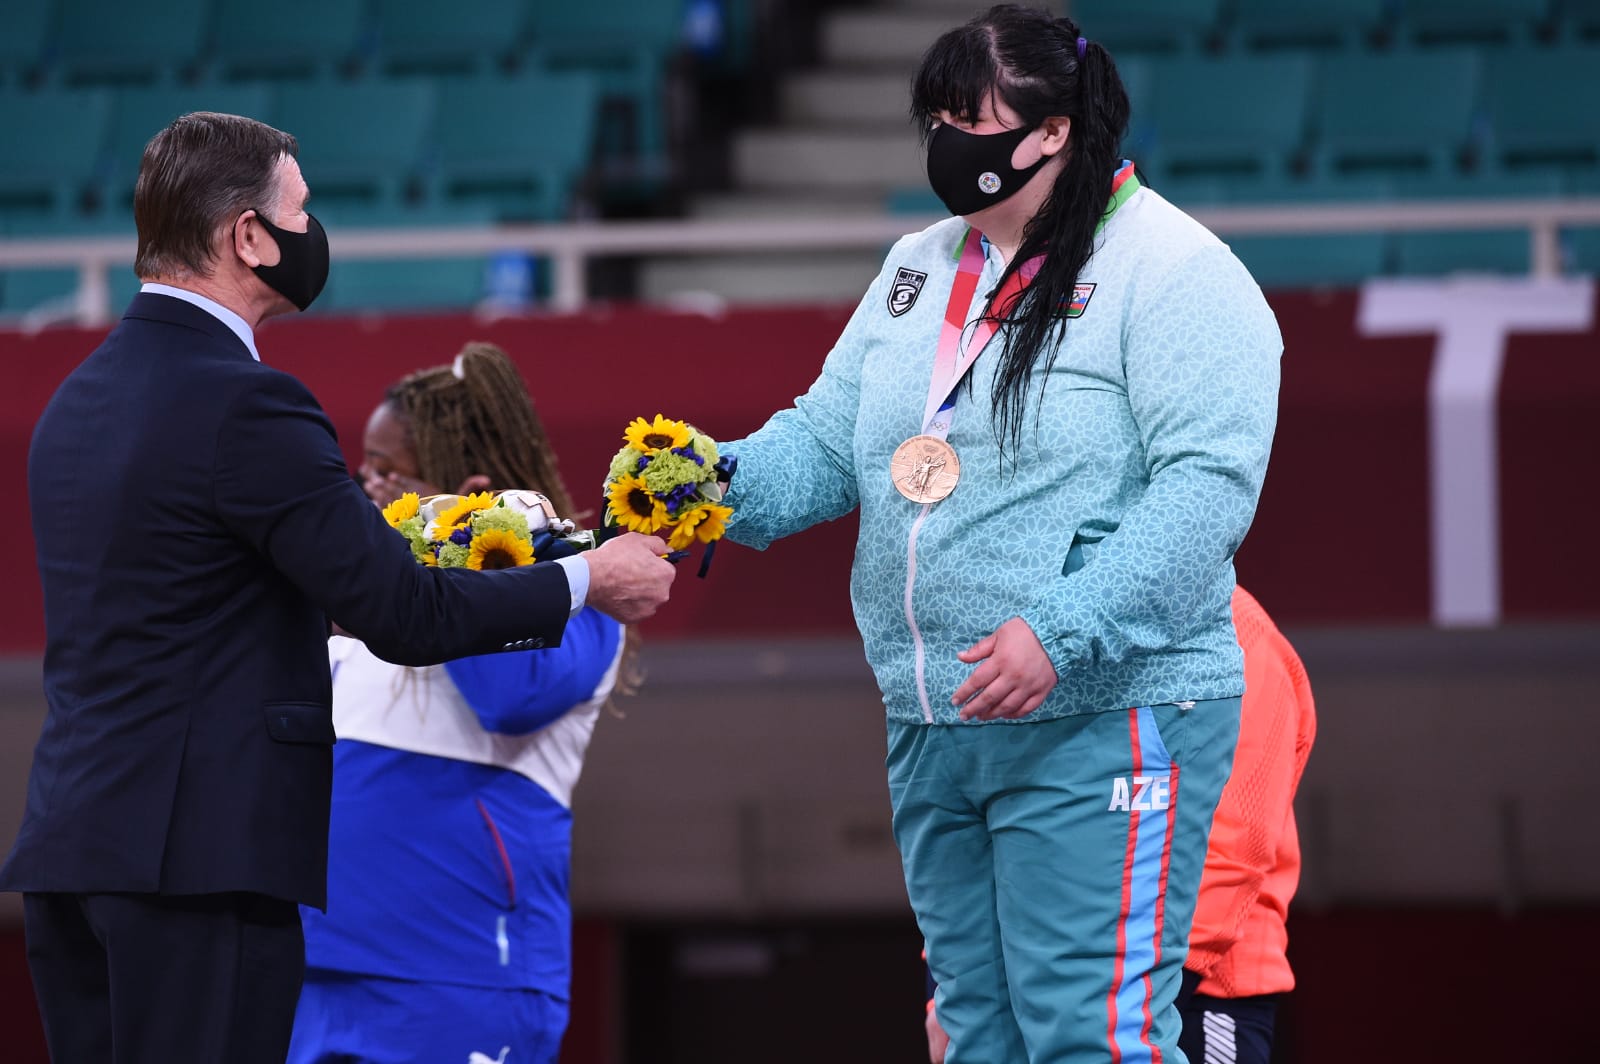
[(570, 246)]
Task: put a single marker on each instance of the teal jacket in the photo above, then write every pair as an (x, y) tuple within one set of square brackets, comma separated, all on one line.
[(1112, 533)]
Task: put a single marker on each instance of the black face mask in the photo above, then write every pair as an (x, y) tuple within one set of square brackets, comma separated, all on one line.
[(971, 171), (302, 267)]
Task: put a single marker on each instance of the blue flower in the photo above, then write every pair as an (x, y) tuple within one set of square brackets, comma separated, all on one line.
[(462, 535)]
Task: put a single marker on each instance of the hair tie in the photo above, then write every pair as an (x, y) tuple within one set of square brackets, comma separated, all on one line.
[(1082, 45), (458, 368)]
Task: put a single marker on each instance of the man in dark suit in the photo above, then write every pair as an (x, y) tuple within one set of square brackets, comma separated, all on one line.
[(197, 530)]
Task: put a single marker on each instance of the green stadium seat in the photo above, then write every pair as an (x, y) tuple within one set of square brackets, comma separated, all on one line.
[(1541, 107), (63, 131), (914, 201), (290, 39), (1395, 112), (22, 44), (1148, 25), (1314, 188), (399, 286), (1580, 19), (521, 143), (25, 291), (1447, 251), (1273, 24), (1240, 115), (1533, 184), (1432, 22), (626, 46), (128, 43), (362, 140), (1138, 79), (1581, 251), (416, 36), (1476, 251), (1189, 193), (137, 114), (1483, 251), (1297, 261)]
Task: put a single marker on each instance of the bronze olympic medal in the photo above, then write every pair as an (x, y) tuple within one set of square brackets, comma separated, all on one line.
[(925, 469)]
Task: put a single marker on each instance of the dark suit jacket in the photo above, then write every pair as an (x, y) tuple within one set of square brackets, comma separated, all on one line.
[(196, 529)]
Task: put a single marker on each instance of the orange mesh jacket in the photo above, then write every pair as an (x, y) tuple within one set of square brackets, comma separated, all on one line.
[(1253, 861)]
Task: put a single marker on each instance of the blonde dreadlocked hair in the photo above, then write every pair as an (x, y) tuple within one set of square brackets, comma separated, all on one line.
[(474, 416)]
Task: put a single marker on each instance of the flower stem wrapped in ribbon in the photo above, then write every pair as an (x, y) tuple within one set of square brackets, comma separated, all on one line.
[(485, 530), (665, 480)]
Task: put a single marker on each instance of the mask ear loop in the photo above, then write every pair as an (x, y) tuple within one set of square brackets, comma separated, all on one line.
[(458, 368), (1083, 46)]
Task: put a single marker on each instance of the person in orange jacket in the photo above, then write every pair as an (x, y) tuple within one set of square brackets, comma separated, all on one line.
[(1237, 968)]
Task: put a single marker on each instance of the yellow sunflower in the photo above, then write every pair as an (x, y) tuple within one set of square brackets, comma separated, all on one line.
[(633, 507), (496, 548), (714, 523), (658, 435), (402, 509), (456, 515), (704, 523)]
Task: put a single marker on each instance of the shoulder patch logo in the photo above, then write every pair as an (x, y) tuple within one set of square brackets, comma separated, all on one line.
[(903, 293), (1079, 302)]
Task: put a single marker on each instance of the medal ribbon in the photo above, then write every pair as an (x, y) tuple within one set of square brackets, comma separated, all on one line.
[(950, 362)]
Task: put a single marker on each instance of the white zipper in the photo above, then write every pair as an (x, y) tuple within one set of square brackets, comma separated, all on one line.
[(911, 618)]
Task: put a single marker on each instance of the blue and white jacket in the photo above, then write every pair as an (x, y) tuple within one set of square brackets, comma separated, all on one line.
[(450, 840)]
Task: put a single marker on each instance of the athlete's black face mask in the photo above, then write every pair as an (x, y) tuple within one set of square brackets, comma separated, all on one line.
[(302, 267), (971, 171)]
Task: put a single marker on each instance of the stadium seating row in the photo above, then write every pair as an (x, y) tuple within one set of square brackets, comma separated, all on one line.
[(517, 142), (79, 42), (1419, 112), (1269, 25)]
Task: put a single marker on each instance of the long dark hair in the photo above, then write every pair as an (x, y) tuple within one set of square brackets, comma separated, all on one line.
[(1029, 59)]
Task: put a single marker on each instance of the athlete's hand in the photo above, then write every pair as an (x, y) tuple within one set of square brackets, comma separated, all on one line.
[(1013, 677), (384, 490), (938, 1041)]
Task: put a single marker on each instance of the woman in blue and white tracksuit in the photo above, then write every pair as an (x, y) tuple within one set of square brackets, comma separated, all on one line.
[(447, 935)]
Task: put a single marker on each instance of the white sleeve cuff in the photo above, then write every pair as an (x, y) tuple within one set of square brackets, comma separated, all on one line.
[(577, 568)]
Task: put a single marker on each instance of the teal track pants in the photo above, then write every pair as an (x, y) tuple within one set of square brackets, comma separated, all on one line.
[(1053, 867)]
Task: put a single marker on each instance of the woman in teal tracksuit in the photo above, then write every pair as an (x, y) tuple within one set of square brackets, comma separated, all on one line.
[(1044, 565)]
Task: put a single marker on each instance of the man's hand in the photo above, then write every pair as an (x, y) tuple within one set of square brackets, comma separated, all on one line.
[(1014, 678), (938, 1041), (629, 577)]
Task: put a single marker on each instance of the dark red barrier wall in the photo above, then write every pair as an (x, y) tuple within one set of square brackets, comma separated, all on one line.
[(1342, 534)]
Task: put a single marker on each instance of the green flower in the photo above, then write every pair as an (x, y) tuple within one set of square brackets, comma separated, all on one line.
[(667, 470), (453, 556), (502, 519), (625, 462), (705, 447)]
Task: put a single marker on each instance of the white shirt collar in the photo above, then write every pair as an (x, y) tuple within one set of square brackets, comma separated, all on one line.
[(240, 328)]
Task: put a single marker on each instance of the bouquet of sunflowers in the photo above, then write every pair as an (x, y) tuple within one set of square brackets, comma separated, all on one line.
[(484, 530), (665, 480)]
